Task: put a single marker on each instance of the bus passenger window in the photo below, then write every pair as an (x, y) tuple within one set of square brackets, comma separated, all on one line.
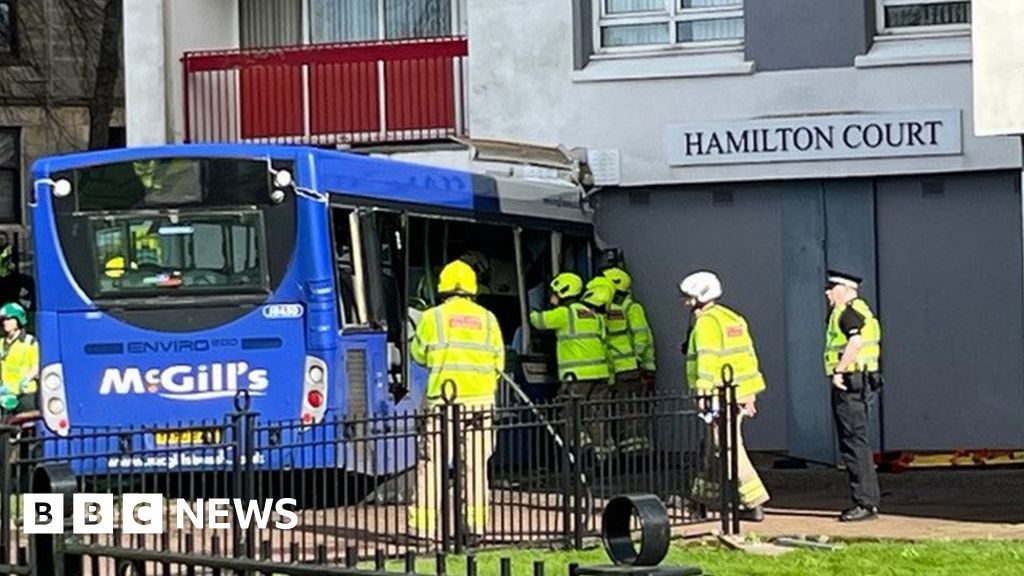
[(344, 267), (488, 248)]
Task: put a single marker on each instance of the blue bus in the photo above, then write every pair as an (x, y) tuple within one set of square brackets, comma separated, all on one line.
[(171, 277)]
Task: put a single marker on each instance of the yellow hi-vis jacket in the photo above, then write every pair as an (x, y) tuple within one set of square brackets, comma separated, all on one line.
[(720, 336), (871, 340), (620, 342), (461, 341), (19, 359), (581, 336), (640, 332)]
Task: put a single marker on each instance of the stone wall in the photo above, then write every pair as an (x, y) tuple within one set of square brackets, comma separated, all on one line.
[(46, 84)]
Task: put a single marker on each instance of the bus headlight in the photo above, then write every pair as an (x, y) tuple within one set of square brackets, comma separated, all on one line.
[(53, 399), (314, 391), (55, 406), (316, 374), (52, 382)]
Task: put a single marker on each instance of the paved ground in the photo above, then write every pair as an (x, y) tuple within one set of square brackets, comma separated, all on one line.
[(916, 504)]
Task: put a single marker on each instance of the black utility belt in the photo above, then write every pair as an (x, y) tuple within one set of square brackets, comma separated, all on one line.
[(858, 381)]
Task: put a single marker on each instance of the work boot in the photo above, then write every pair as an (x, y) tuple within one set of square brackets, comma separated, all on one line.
[(858, 513), (755, 514)]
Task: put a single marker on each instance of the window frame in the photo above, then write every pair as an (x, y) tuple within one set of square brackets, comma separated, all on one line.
[(946, 29), (671, 14), (12, 56), (455, 24), (18, 194)]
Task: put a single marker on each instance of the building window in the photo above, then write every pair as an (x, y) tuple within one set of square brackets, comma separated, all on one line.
[(645, 24), (10, 176), (8, 29), (916, 16), (360, 20), (265, 23)]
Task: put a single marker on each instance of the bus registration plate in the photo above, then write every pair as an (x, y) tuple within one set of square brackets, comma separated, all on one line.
[(187, 437)]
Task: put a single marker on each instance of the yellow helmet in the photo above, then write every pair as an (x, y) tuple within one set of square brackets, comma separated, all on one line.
[(457, 278), (600, 291), (567, 285), (115, 268), (619, 278)]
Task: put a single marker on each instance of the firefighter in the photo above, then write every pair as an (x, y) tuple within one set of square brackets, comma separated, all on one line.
[(580, 350), (718, 337), (633, 357), (19, 361), (598, 296), (460, 344)]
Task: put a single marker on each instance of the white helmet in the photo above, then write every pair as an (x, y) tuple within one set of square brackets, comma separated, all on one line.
[(703, 285)]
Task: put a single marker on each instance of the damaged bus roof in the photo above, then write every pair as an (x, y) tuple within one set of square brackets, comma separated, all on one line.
[(409, 183)]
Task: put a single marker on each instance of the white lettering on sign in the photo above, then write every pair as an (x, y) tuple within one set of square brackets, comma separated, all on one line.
[(144, 513), (185, 382), (274, 311), (848, 136)]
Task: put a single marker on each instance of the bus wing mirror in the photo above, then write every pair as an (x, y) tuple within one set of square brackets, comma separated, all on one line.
[(283, 179)]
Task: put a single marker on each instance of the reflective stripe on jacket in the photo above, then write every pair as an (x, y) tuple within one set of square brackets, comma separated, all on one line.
[(871, 340), (620, 342), (461, 341), (640, 331), (19, 359), (721, 336), (581, 337)]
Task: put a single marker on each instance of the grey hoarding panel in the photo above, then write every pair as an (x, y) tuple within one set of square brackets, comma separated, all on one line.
[(669, 232), (810, 429), (949, 252)]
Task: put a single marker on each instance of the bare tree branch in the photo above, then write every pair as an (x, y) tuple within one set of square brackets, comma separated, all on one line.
[(101, 108)]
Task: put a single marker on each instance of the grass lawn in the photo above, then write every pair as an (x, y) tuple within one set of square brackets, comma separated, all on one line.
[(859, 559)]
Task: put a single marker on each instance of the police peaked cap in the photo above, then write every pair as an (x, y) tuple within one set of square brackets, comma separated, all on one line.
[(837, 277)]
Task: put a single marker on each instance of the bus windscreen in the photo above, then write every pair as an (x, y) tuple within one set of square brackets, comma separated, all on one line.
[(181, 226), (179, 253)]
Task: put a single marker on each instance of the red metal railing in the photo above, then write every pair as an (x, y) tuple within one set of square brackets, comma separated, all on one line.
[(391, 91)]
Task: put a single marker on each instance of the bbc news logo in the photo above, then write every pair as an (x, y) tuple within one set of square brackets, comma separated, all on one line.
[(146, 514)]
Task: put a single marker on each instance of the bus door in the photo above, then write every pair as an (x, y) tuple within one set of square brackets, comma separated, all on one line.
[(384, 235), (370, 270)]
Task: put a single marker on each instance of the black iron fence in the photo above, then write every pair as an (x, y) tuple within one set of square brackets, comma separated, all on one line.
[(448, 479)]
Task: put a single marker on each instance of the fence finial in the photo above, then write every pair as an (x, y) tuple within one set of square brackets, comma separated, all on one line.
[(243, 401)]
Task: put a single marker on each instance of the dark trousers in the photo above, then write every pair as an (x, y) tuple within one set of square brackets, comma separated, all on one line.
[(850, 411), (628, 414)]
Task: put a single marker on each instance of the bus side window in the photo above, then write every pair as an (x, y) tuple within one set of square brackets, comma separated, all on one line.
[(577, 255), (344, 267)]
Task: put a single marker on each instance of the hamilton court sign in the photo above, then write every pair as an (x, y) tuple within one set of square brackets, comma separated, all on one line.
[(832, 137)]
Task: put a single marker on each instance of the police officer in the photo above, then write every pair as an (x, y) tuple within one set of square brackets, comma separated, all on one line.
[(460, 344), (632, 351), (720, 336), (19, 361), (852, 354), (580, 332)]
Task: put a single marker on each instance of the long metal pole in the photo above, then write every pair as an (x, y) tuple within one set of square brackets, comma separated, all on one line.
[(357, 266), (524, 320)]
